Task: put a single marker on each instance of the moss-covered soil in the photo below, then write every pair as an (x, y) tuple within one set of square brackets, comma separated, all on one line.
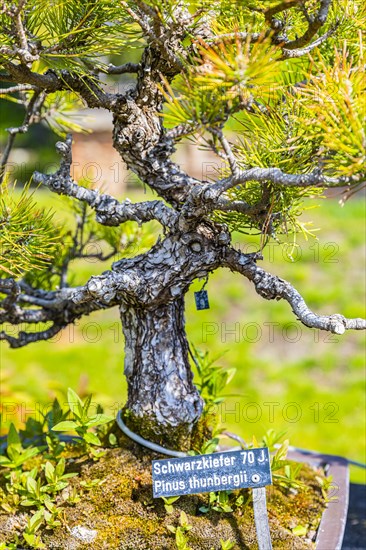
[(119, 512)]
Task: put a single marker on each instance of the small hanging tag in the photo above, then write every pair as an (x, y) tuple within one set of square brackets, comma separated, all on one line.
[(201, 298)]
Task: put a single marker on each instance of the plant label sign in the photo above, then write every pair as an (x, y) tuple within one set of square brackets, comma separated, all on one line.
[(214, 472), (201, 299)]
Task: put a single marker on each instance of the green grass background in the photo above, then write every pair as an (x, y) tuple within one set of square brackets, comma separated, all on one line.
[(288, 377)]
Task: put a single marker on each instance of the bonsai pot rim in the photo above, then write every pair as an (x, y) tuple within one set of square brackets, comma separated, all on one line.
[(333, 522)]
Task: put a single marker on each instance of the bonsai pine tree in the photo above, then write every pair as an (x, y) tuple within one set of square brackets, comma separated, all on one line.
[(274, 88)]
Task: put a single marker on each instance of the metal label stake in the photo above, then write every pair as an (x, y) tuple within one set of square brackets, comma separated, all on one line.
[(261, 519)]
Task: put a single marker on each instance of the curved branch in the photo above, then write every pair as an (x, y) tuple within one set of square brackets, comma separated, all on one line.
[(19, 315), (61, 307), (288, 54), (278, 177), (122, 69), (282, 6), (53, 300), (109, 211), (315, 23), (50, 82), (206, 197), (12, 290), (25, 338), (8, 284), (271, 287)]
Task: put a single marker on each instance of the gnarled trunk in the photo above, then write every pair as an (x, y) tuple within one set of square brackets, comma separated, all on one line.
[(163, 404)]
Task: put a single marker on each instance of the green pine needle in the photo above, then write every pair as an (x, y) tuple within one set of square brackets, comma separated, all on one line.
[(29, 239)]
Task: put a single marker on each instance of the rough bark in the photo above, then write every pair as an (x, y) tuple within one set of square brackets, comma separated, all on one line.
[(163, 404), (139, 136)]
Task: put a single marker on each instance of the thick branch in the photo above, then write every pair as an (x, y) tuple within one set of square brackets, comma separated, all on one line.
[(109, 211), (13, 292), (278, 177), (57, 307), (139, 135), (271, 287), (287, 53), (205, 197), (19, 315), (122, 69), (50, 82), (315, 24), (25, 338), (229, 205)]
